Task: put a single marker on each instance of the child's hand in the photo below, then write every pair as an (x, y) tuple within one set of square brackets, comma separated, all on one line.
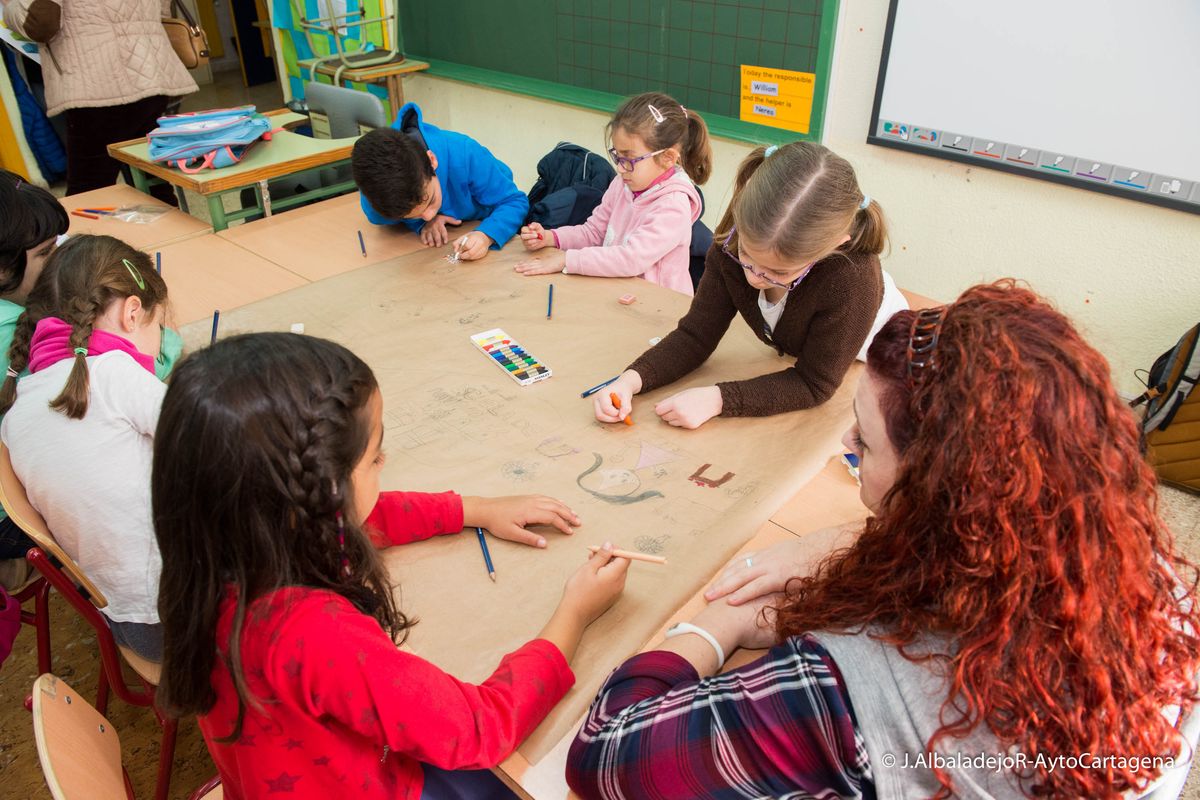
[(595, 586), (543, 265), (690, 408), (624, 387), (433, 233), (473, 246), (507, 517), (535, 237)]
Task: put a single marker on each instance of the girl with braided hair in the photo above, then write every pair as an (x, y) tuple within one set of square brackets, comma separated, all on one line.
[(31, 221), (80, 425), (1013, 620), (280, 624)]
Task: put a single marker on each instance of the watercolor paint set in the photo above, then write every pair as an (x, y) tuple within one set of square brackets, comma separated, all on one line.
[(508, 354)]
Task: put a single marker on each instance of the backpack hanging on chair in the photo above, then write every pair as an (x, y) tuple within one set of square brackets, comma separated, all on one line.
[(1171, 427)]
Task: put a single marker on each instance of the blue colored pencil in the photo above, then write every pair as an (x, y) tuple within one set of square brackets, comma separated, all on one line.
[(158, 263), (216, 319), (362, 245), (550, 303), (597, 387), (487, 557)]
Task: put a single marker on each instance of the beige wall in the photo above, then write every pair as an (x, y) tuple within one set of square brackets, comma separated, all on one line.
[(1127, 272)]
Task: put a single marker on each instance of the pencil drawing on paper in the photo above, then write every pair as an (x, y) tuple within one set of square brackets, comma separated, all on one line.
[(651, 545), (698, 478), (555, 447), (520, 471), (616, 486)]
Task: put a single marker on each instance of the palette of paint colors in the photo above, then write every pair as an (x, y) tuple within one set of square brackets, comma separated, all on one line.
[(508, 354)]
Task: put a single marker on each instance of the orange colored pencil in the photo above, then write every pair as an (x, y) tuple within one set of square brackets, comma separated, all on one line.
[(85, 215), (616, 401)]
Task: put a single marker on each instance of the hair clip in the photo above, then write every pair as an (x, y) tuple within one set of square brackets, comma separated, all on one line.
[(12, 373), (19, 182), (923, 341), (684, 110), (654, 112), (866, 201), (770, 151), (137, 276)]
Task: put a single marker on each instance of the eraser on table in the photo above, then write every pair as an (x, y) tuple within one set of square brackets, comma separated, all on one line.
[(297, 327), (627, 299), (655, 340)]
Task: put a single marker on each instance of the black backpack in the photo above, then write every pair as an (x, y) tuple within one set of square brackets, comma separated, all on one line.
[(571, 181), (1171, 425)]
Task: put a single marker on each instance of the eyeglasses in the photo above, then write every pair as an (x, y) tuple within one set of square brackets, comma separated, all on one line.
[(756, 273), (627, 164)]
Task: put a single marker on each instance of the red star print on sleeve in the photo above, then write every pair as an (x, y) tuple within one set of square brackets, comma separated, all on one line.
[(403, 517)]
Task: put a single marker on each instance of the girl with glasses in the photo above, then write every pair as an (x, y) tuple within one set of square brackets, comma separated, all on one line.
[(643, 225), (797, 255)]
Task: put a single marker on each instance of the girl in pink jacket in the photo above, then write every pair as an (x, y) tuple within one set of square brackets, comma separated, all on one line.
[(643, 225)]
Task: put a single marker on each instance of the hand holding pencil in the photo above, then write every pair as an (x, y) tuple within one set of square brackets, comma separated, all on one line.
[(615, 402)]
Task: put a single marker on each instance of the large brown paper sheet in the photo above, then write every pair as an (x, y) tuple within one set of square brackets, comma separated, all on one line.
[(453, 420)]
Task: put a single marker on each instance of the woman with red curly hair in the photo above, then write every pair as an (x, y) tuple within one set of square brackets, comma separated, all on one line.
[(1010, 621)]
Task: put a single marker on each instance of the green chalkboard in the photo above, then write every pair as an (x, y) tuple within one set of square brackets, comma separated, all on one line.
[(594, 52)]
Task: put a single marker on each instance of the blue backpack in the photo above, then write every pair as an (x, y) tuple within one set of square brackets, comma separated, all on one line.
[(207, 139)]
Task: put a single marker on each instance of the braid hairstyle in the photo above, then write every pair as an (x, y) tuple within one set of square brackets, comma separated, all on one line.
[(81, 279), (673, 126), (251, 492), (798, 201)]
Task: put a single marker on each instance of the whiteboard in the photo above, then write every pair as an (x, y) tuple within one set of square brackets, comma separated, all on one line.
[(1110, 89)]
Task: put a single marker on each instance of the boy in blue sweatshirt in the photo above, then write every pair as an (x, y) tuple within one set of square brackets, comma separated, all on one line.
[(427, 178)]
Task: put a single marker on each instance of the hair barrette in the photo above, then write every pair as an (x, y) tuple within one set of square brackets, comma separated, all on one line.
[(133, 271), (654, 112)]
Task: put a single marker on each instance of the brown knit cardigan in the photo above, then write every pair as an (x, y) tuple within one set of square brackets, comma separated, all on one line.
[(824, 324)]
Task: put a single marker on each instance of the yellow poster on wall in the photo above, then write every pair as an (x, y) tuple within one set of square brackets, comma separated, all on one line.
[(781, 98)]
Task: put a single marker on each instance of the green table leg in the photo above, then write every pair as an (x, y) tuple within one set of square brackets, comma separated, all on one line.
[(139, 180), (216, 211)]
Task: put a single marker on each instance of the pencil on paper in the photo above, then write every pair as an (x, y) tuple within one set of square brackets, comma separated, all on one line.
[(631, 555), (487, 557), (362, 245), (216, 320)]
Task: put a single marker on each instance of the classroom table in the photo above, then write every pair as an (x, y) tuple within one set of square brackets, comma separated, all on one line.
[(455, 421), (286, 153), (321, 240), (829, 500), (206, 273), (389, 75), (173, 226)]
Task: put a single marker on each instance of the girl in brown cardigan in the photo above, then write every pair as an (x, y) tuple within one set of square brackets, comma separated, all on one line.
[(797, 255)]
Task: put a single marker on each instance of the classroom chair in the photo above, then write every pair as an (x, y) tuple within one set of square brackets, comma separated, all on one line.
[(80, 750), (69, 581), (343, 26), (702, 239), (340, 113), (36, 587)]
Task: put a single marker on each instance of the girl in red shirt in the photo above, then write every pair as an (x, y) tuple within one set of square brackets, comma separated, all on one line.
[(280, 627)]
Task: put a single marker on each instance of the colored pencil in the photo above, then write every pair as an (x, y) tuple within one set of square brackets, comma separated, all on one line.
[(632, 556), (158, 263), (616, 401), (216, 319), (487, 557), (550, 303), (362, 245), (78, 213), (102, 208), (102, 212), (596, 388)]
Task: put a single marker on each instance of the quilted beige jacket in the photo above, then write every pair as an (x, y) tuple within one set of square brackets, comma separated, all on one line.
[(105, 53)]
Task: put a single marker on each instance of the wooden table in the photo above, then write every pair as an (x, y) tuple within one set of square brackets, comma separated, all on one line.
[(207, 273), (287, 153), (829, 500), (387, 74), (453, 420), (173, 226), (321, 240)]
